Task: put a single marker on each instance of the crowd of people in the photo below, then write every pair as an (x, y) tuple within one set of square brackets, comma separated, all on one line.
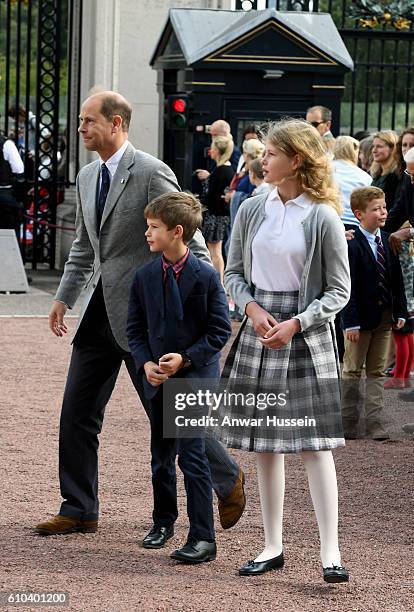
[(18, 172), (367, 159), (291, 263)]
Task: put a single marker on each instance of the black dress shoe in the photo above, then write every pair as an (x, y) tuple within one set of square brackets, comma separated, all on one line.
[(407, 396), (158, 536), (254, 568), (335, 573), (350, 435), (195, 551)]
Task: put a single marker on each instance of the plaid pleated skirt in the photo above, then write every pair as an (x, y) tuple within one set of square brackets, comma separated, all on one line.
[(284, 400)]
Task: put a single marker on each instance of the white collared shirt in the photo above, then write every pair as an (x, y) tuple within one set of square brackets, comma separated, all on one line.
[(279, 248), (113, 162)]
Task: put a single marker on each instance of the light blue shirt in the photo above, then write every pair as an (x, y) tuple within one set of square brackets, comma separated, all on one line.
[(348, 176), (371, 239)]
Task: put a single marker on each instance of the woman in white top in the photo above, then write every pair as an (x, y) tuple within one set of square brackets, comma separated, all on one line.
[(348, 176), (288, 271)]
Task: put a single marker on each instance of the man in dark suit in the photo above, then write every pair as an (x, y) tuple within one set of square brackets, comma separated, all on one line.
[(178, 321), (377, 302), (112, 193)]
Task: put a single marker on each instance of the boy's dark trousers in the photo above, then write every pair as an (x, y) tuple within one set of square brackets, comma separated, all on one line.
[(193, 463), (94, 367)]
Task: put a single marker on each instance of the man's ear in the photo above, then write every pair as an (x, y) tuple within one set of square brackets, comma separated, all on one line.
[(116, 124), (328, 124), (358, 214)]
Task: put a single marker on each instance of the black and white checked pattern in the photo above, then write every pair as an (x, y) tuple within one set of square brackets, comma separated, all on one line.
[(307, 367)]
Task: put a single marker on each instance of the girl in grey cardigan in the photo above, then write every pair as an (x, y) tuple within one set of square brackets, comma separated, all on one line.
[(288, 271)]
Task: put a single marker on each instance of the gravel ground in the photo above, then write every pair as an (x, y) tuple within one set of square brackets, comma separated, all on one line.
[(108, 571)]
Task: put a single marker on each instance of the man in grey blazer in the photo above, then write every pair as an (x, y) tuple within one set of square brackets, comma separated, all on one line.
[(112, 193)]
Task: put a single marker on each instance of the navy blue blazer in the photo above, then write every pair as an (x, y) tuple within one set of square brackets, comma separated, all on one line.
[(201, 334), (365, 306)]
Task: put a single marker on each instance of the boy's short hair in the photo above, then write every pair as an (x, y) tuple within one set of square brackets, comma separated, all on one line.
[(257, 168), (177, 208), (362, 196)]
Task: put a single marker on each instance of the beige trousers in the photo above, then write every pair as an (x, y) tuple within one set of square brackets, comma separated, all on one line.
[(371, 350)]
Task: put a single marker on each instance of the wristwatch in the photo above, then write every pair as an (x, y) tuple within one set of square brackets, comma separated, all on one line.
[(187, 363)]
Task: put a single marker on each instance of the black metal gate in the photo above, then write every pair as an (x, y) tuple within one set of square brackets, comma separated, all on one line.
[(379, 92), (38, 42)]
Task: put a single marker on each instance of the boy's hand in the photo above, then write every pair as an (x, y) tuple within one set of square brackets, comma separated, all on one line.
[(352, 335), (261, 320), (281, 334), (399, 324), (170, 363), (154, 375), (349, 234)]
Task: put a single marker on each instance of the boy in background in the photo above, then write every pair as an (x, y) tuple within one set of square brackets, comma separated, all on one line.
[(377, 304)]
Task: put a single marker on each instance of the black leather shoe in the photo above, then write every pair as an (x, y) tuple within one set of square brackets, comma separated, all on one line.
[(254, 568), (350, 435), (195, 551), (158, 536), (407, 396), (335, 573)]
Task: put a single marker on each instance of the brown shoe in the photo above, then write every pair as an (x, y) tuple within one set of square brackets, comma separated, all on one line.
[(231, 508), (60, 525)]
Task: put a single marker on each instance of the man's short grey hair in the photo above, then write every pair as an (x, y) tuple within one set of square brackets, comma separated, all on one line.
[(326, 113), (221, 126), (409, 156)]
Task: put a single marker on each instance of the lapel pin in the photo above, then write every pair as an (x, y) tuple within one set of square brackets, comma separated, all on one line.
[(122, 180)]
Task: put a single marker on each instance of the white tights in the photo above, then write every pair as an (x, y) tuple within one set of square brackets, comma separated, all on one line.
[(323, 488)]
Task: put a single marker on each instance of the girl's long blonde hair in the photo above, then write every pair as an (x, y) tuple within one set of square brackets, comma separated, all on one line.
[(390, 138), (225, 146), (298, 137)]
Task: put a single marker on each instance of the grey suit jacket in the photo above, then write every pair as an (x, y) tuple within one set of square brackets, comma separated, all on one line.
[(121, 246)]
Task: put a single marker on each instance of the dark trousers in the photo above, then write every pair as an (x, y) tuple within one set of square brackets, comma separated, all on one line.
[(95, 363), (193, 463)]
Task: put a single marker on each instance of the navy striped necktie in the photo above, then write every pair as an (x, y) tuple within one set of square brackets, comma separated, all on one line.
[(382, 270)]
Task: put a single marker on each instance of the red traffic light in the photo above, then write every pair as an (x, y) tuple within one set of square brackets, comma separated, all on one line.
[(179, 105)]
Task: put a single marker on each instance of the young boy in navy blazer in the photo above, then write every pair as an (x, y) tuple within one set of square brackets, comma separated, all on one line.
[(376, 305), (178, 322)]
